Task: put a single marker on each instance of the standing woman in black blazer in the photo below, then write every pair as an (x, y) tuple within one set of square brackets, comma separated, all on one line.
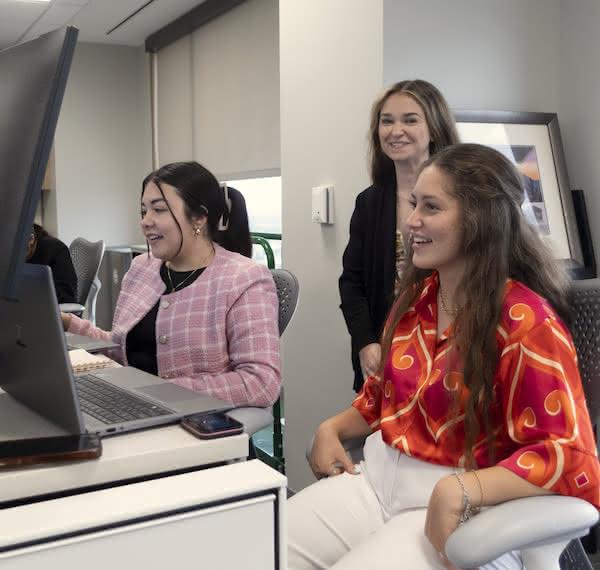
[(410, 122)]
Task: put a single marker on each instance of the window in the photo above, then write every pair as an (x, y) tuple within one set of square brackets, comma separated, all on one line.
[(263, 202)]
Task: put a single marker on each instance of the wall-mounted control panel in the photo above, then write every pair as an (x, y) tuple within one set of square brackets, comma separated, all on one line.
[(322, 204)]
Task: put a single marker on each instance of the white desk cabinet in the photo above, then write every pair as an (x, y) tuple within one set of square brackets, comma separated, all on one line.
[(225, 518)]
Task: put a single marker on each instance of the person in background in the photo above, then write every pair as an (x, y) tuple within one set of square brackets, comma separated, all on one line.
[(410, 121), (44, 249), (196, 314), (478, 399)]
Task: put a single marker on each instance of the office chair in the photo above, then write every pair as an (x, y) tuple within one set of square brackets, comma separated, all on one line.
[(86, 257), (546, 529), (288, 291), (255, 419)]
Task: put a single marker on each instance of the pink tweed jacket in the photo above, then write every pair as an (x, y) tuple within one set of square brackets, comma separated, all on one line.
[(218, 335)]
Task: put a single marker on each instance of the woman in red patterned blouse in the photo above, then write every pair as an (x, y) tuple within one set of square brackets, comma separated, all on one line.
[(478, 398)]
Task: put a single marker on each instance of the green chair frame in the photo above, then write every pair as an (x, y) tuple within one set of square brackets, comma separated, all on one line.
[(277, 460)]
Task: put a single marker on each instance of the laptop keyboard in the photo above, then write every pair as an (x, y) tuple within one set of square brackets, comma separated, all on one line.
[(110, 405)]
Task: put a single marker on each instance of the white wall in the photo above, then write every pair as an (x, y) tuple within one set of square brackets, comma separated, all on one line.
[(518, 55), (482, 54), (331, 69), (579, 99), (102, 145)]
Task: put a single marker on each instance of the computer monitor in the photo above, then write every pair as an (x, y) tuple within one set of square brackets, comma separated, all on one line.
[(33, 76)]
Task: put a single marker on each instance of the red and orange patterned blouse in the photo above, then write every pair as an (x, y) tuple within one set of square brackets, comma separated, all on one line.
[(543, 429)]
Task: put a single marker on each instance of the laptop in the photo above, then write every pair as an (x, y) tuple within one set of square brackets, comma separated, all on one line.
[(35, 369), (90, 344)]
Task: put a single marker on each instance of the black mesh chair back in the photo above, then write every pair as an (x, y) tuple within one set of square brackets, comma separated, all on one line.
[(585, 300), (288, 289), (86, 256)]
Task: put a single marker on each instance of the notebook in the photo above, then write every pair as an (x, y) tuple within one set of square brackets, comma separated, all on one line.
[(35, 369), (83, 361)]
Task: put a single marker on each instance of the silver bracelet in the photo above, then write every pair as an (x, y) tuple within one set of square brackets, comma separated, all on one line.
[(468, 510)]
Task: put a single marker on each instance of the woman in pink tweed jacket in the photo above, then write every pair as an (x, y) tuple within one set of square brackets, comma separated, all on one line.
[(193, 312)]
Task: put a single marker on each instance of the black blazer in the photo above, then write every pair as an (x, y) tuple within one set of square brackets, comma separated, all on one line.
[(369, 268), (54, 253)]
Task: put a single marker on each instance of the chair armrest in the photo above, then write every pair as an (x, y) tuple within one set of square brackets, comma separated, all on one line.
[(519, 525), (71, 308), (254, 419), (308, 450), (92, 298)]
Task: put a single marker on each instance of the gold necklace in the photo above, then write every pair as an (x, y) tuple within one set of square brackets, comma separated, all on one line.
[(179, 285), (449, 312)]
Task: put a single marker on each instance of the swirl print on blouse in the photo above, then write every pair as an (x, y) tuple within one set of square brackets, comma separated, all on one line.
[(545, 411), (542, 428)]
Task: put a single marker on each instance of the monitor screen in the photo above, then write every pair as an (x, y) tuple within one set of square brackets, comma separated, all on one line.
[(33, 76)]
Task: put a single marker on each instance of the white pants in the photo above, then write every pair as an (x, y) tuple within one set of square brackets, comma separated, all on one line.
[(371, 521)]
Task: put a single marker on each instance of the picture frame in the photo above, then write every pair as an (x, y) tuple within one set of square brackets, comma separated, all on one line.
[(533, 143)]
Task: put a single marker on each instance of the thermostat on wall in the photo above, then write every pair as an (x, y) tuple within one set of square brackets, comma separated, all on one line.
[(322, 205)]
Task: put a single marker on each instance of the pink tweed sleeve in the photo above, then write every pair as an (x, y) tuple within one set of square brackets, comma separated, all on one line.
[(252, 377), (85, 328)]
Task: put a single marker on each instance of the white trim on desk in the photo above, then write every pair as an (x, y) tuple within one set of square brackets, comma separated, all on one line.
[(138, 454)]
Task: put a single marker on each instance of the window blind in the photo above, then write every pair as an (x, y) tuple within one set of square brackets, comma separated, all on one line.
[(218, 93)]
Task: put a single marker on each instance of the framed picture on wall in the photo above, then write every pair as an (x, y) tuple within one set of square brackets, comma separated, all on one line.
[(532, 142)]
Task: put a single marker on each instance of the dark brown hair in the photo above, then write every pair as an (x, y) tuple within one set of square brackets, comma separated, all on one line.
[(498, 243), (204, 197)]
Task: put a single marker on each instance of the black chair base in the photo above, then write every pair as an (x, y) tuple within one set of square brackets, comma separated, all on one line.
[(574, 557)]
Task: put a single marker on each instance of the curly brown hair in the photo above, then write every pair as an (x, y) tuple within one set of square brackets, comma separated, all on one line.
[(498, 243)]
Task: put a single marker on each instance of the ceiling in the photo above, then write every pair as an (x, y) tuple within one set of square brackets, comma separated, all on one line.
[(23, 20)]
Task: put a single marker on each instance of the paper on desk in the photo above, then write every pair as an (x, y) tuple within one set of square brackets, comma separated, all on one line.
[(83, 361)]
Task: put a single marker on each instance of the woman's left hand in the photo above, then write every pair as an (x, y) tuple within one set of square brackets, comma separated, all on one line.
[(443, 513)]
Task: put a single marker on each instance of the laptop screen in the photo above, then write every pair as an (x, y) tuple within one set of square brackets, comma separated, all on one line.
[(34, 364)]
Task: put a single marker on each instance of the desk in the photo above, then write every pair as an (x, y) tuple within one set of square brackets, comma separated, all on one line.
[(155, 498), (223, 518), (149, 452)]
